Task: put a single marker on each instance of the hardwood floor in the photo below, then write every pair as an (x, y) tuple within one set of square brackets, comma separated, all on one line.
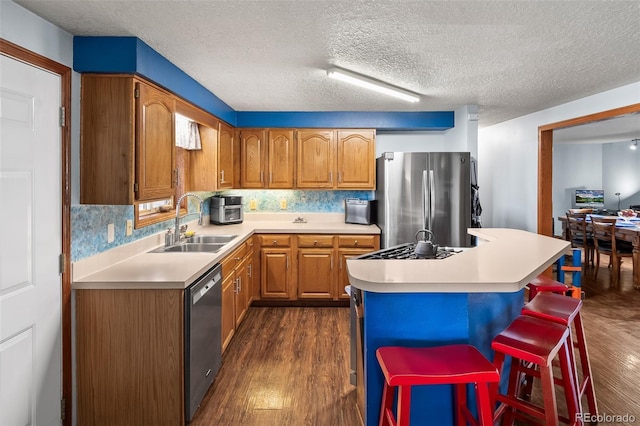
[(290, 366), (285, 366)]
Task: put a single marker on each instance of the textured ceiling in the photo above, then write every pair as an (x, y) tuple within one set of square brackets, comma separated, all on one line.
[(508, 57)]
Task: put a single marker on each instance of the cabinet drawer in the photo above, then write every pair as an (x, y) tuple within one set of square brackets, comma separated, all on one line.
[(232, 260), (275, 240), (358, 241), (315, 240)]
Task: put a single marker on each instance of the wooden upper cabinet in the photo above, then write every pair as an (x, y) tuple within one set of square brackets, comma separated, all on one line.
[(356, 159), (280, 158), (126, 138), (253, 148), (155, 149), (225, 156), (202, 164), (203, 167), (316, 161)]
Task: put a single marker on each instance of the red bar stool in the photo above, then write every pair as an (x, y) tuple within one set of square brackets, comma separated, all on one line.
[(458, 365), (544, 283), (529, 340), (566, 311)]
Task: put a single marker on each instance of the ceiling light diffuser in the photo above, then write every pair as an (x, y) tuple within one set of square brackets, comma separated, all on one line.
[(371, 84)]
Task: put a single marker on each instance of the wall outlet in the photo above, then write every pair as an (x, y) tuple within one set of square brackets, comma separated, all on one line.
[(253, 204), (129, 229), (111, 233), (283, 204)]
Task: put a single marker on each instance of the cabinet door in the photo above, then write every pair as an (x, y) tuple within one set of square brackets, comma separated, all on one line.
[(203, 166), (281, 159), (356, 159), (225, 157), (316, 161), (155, 148), (275, 273), (252, 162), (228, 320), (343, 276), (107, 153), (241, 289), (315, 274)]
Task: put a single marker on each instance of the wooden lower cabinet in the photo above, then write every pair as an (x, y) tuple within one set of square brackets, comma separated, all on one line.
[(343, 276), (275, 273), (235, 290), (228, 321), (129, 352), (308, 266), (316, 277)]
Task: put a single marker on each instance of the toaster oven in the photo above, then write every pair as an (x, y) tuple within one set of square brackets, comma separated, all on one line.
[(362, 212)]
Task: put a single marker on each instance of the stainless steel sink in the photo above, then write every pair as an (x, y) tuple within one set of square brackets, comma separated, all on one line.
[(191, 248), (209, 239)]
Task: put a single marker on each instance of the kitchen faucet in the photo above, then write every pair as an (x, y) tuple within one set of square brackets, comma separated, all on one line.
[(177, 230)]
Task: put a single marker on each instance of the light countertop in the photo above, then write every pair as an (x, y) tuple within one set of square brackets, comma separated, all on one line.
[(504, 262), (179, 270)]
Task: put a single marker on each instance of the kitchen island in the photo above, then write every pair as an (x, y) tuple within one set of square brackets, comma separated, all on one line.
[(466, 298)]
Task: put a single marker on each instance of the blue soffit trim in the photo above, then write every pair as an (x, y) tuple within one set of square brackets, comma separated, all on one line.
[(132, 55), (414, 120)]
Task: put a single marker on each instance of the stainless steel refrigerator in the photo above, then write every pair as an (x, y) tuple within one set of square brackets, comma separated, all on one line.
[(424, 190)]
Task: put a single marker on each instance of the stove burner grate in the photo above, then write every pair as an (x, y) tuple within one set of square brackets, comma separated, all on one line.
[(406, 251)]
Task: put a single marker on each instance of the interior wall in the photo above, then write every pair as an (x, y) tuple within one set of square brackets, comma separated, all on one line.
[(621, 173), (575, 166), (508, 157)]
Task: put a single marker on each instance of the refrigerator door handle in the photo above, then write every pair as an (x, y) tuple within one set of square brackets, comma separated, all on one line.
[(432, 196), (425, 201)]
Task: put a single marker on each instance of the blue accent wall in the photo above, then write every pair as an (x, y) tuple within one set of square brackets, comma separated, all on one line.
[(132, 55), (416, 120)]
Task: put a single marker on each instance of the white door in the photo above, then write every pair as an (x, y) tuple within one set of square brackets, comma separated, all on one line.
[(30, 243)]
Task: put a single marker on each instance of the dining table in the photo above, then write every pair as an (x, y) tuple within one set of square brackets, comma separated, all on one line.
[(626, 230)]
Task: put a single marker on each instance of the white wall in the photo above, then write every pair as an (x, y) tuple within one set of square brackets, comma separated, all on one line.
[(462, 137), (575, 166), (508, 157), (25, 29)]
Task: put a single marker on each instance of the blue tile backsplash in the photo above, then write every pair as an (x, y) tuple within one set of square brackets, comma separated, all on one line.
[(89, 222)]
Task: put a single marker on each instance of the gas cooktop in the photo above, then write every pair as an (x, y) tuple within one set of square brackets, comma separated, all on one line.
[(407, 251)]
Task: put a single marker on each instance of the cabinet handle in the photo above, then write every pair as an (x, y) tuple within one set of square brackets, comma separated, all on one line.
[(261, 174), (235, 286), (287, 261), (237, 259), (270, 177), (331, 262), (339, 177), (239, 284), (315, 242), (177, 179), (275, 242), (330, 177), (222, 176), (249, 270), (355, 243)]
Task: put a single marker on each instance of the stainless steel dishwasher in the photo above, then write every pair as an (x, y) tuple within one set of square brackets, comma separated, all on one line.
[(202, 337)]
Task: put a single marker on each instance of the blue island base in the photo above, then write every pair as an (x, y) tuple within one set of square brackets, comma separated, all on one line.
[(431, 319)]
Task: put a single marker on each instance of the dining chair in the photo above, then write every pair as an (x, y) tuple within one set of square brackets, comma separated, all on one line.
[(605, 242), (579, 237)]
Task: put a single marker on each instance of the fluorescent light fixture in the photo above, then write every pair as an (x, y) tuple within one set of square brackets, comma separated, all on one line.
[(371, 84)]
